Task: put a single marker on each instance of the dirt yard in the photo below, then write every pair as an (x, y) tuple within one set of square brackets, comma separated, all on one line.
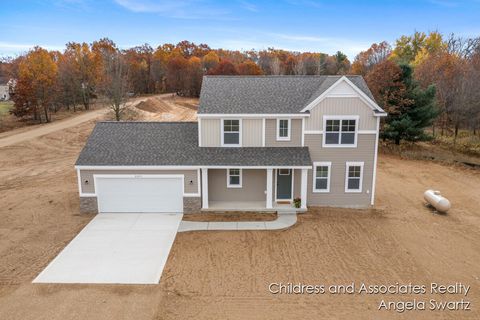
[(225, 275)]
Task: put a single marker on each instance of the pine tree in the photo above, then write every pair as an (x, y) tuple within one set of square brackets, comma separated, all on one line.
[(411, 120)]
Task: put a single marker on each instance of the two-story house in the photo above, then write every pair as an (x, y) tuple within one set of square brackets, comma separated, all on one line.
[(260, 142)]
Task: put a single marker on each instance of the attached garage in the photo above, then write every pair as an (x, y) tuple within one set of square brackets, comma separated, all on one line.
[(139, 193)]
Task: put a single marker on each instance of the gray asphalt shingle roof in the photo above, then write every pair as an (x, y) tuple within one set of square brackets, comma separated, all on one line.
[(266, 94), (174, 143)]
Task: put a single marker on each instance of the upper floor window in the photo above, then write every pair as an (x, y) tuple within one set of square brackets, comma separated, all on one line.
[(283, 129), (231, 133), (340, 132), (353, 177)]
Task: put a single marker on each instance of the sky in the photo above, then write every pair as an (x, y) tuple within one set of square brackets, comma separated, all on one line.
[(298, 25)]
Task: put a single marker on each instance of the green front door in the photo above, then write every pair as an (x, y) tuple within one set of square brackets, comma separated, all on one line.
[(284, 184)]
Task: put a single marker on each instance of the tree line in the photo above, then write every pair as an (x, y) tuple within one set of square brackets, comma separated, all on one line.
[(46, 81), (423, 80)]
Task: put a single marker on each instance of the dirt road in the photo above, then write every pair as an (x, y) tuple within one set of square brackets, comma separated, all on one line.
[(23, 134), (44, 129), (225, 275)]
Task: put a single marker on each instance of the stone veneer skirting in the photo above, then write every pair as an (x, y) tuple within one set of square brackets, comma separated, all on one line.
[(88, 205), (190, 204)]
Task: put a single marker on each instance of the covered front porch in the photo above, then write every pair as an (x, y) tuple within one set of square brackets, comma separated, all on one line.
[(260, 206), (254, 188)]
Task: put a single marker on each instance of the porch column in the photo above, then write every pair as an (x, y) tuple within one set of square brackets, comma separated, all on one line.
[(303, 189), (269, 188), (204, 188)]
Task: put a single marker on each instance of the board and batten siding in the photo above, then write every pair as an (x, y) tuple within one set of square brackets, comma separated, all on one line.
[(341, 106), (252, 131), (365, 152), (89, 188), (271, 134), (210, 132), (254, 184)]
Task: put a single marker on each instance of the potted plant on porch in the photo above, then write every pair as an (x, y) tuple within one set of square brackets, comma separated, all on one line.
[(297, 202)]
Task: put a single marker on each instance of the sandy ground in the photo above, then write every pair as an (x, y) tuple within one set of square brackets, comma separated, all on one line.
[(225, 275)]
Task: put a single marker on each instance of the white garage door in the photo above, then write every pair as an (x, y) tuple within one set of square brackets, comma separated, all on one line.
[(147, 193)]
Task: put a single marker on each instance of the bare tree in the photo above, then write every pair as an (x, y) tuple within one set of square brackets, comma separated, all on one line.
[(275, 66), (115, 84), (299, 68)]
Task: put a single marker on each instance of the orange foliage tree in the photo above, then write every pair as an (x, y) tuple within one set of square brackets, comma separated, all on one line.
[(385, 82), (249, 67), (35, 89)]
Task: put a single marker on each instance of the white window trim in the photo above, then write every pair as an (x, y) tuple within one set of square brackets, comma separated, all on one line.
[(228, 179), (352, 117), (314, 175), (347, 165), (287, 138), (282, 174), (239, 132)]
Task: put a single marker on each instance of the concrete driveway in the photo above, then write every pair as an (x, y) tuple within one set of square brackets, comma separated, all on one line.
[(129, 248)]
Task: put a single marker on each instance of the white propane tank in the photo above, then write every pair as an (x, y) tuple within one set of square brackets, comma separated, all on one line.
[(439, 202)]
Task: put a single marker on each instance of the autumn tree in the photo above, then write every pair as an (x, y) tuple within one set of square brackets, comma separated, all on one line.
[(249, 67), (225, 67), (103, 50), (195, 72), (139, 61), (189, 49), (412, 49), (161, 57), (78, 75), (177, 74), (210, 61), (35, 87), (456, 75), (69, 92), (366, 60), (385, 81)]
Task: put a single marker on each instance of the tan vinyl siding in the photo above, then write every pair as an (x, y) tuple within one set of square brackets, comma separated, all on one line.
[(365, 152), (254, 184), (210, 132), (190, 175), (252, 130), (271, 134), (341, 106)]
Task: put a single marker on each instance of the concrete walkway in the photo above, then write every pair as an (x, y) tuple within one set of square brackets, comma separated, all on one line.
[(284, 220)]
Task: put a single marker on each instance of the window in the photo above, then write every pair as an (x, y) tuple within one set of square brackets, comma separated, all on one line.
[(283, 129), (284, 172), (231, 133), (321, 176), (234, 178), (340, 132), (354, 177)]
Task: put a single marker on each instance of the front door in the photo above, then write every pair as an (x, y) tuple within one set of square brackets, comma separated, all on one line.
[(284, 184)]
